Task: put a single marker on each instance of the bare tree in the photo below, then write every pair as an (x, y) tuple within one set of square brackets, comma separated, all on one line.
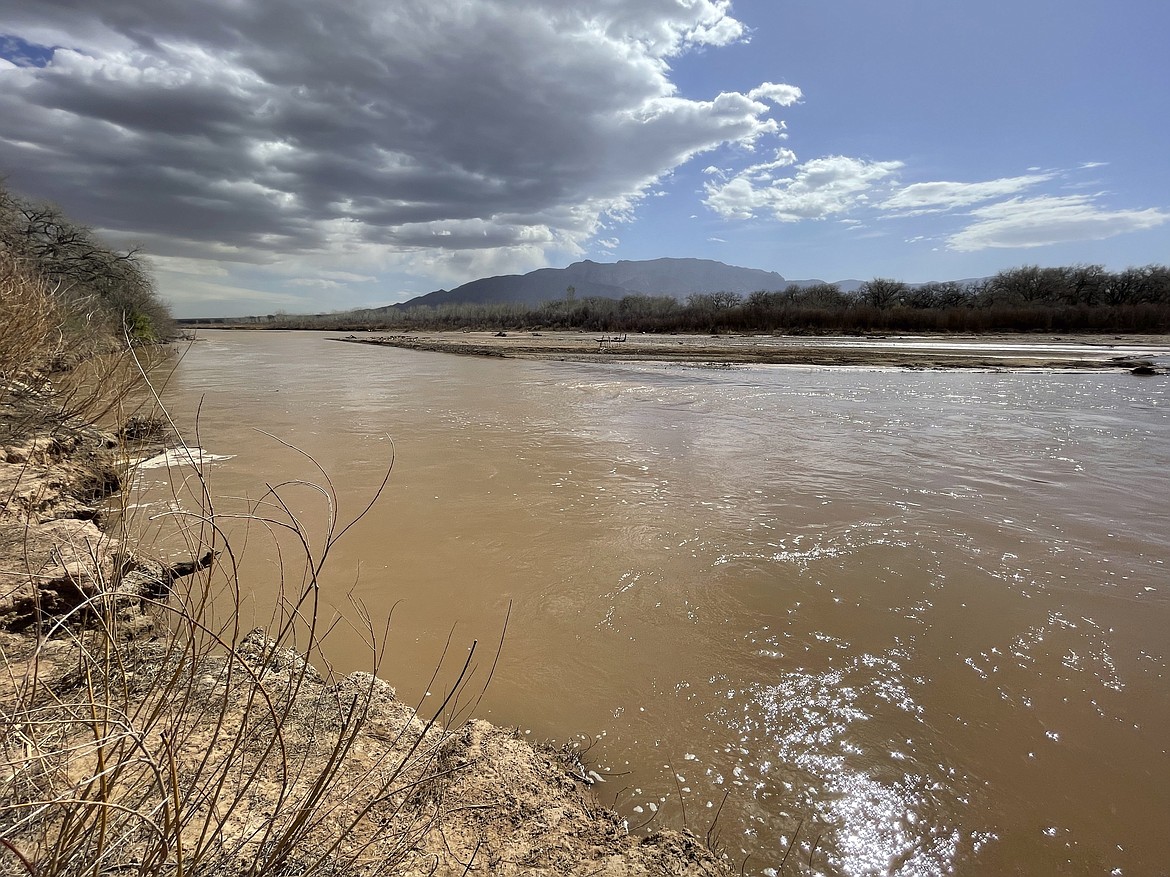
[(83, 272), (881, 292)]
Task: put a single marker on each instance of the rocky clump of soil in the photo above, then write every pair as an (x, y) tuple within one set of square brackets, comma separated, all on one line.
[(54, 555)]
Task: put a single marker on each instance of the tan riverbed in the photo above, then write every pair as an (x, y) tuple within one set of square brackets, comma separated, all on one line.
[(941, 351)]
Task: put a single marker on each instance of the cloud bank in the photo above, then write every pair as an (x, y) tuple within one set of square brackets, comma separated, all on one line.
[(817, 189), (436, 136), (1036, 222), (855, 190), (938, 197)]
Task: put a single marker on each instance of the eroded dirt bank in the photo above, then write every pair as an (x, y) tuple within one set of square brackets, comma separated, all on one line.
[(969, 352), (133, 736)]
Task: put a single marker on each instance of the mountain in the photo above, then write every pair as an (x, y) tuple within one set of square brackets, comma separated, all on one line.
[(674, 277)]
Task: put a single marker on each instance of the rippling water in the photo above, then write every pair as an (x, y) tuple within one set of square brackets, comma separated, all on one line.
[(906, 622)]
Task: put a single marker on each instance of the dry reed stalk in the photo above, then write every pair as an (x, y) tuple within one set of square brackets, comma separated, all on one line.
[(31, 333)]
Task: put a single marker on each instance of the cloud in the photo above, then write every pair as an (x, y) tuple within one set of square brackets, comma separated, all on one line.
[(314, 283), (1037, 222), (762, 172), (1020, 222), (778, 93), (423, 135), (819, 188), (200, 297), (920, 198)]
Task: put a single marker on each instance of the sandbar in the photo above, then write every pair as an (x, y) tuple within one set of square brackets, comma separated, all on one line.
[(996, 352)]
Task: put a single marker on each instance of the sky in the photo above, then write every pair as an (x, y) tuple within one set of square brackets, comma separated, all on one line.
[(301, 156)]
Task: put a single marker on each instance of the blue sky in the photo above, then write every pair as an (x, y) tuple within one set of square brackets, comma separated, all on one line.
[(301, 157)]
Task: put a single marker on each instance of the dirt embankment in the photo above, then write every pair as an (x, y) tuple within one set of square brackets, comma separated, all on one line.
[(53, 553), (134, 736), (1116, 353)]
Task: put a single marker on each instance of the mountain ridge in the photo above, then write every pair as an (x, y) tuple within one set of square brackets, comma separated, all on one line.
[(674, 277)]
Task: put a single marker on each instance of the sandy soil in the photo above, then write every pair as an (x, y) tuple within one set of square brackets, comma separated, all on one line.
[(920, 352)]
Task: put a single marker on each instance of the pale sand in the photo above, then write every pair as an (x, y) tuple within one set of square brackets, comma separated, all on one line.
[(1115, 352)]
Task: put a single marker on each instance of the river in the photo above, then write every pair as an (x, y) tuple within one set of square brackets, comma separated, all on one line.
[(879, 621)]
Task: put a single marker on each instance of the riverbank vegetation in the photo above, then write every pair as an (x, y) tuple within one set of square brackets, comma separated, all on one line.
[(1081, 298), (70, 311), (74, 295)]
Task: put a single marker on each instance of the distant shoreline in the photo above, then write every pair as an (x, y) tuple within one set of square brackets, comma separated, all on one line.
[(993, 352)]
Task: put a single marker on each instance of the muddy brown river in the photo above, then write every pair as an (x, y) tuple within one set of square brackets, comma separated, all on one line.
[(879, 621)]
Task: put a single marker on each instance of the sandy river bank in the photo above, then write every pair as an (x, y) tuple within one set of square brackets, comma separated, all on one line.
[(920, 352)]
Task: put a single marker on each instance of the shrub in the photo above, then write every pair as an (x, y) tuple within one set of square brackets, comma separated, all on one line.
[(111, 291)]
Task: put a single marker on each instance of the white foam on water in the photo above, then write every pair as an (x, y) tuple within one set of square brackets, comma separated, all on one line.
[(194, 457)]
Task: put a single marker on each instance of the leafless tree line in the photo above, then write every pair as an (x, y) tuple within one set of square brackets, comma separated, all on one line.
[(97, 290)]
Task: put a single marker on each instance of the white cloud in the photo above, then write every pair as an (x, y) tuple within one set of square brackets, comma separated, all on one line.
[(819, 188), (938, 197), (347, 277), (331, 280), (314, 283), (1037, 222), (778, 93), (181, 265), (200, 297), (429, 136), (762, 172), (664, 27)]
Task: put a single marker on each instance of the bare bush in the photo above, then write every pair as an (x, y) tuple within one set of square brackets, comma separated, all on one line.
[(104, 292)]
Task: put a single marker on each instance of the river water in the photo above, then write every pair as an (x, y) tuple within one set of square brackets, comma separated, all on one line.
[(879, 621)]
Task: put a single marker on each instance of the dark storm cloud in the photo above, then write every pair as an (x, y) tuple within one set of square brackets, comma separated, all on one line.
[(270, 129), (421, 111)]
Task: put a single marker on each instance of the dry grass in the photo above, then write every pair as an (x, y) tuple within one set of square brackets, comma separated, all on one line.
[(59, 366), (32, 334)]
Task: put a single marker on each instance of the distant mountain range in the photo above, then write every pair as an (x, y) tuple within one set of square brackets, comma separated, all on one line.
[(678, 278)]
